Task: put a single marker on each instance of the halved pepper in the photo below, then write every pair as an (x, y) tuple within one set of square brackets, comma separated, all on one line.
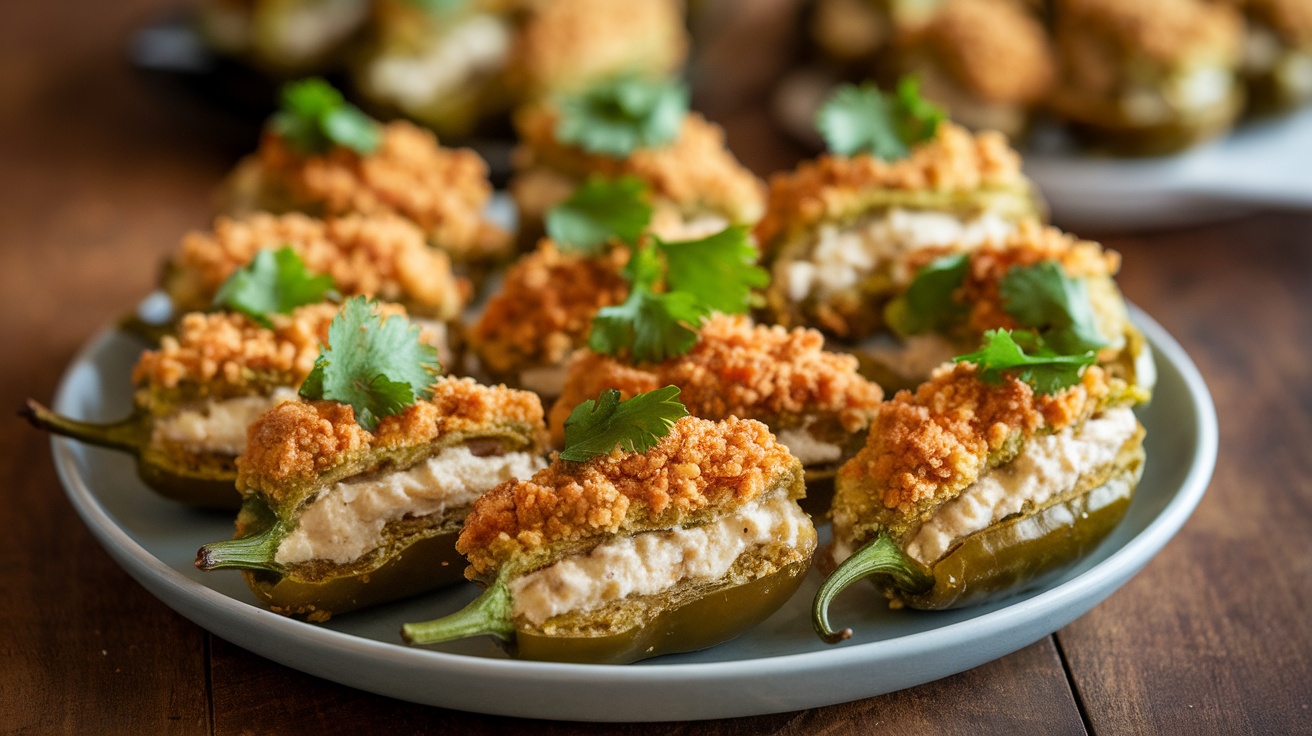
[(1045, 485), (634, 555), (344, 518)]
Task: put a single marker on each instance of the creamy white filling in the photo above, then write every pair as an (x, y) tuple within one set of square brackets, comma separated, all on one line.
[(806, 448), (477, 45), (1045, 467), (309, 29), (695, 227), (1192, 92), (545, 380), (219, 425), (347, 521), (841, 257), (439, 339), (651, 562)]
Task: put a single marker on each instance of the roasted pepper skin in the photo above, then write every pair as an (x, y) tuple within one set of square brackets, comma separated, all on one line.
[(212, 487)]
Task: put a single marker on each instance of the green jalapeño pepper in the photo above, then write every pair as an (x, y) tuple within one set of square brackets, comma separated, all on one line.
[(368, 517), (1051, 477), (629, 555)]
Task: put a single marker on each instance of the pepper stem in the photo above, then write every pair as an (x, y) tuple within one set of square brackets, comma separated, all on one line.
[(490, 613), (244, 553), (129, 434), (879, 556)]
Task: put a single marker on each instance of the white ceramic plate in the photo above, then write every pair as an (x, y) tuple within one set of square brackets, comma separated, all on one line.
[(779, 666)]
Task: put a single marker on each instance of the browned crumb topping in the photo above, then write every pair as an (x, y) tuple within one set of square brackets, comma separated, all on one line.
[(1165, 31), (298, 441), (696, 171), (926, 445), (823, 189), (699, 467), (230, 349), (994, 48), (565, 44), (382, 256), (739, 369), (1029, 244), (545, 307), (442, 190)]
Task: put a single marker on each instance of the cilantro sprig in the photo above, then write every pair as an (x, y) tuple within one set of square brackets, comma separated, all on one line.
[(598, 211), (274, 282), (314, 117), (623, 114), (674, 287), (864, 120), (597, 427), (376, 364), (1046, 370), (928, 304), (1044, 298)]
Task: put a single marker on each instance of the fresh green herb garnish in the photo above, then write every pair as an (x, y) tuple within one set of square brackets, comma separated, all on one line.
[(927, 305), (377, 365), (596, 428), (598, 211), (1043, 298), (623, 114), (1043, 368), (439, 7), (274, 282), (314, 117), (716, 273), (719, 270), (864, 120)]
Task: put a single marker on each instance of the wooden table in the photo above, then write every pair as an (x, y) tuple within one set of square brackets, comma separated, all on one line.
[(98, 179)]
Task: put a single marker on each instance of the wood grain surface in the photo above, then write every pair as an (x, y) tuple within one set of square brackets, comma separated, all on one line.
[(101, 173)]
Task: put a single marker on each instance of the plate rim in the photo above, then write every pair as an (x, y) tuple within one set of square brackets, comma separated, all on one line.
[(978, 639)]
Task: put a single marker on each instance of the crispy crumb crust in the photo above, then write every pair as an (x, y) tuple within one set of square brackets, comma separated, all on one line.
[(545, 306), (832, 187), (442, 190), (566, 44), (925, 447), (382, 256), (766, 372), (995, 49), (700, 469), (226, 354), (1165, 32), (301, 445), (696, 172)]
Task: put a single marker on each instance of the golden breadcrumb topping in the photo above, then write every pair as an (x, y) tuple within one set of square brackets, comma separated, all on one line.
[(298, 441), (566, 44), (994, 48), (231, 350), (766, 372), (954, 160), (1029, 244), (545, 306), (382, 256), (924, 447), (1165, 31), (442, 190), (696, 171), (700, 468)]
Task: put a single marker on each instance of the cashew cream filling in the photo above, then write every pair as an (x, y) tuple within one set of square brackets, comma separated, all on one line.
[(652, 562), (805, 447), (473, 47), (842, 256), (218, 425), (346, 521)]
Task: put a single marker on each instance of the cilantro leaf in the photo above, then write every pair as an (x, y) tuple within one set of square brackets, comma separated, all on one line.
[(927, 304), (377, 365), (597, 427), (1042, 297), (623, 114), (719, 270), (648, 327), (598, 211), (864, 120), (314, 117), (274, 282), (1044, 369)]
